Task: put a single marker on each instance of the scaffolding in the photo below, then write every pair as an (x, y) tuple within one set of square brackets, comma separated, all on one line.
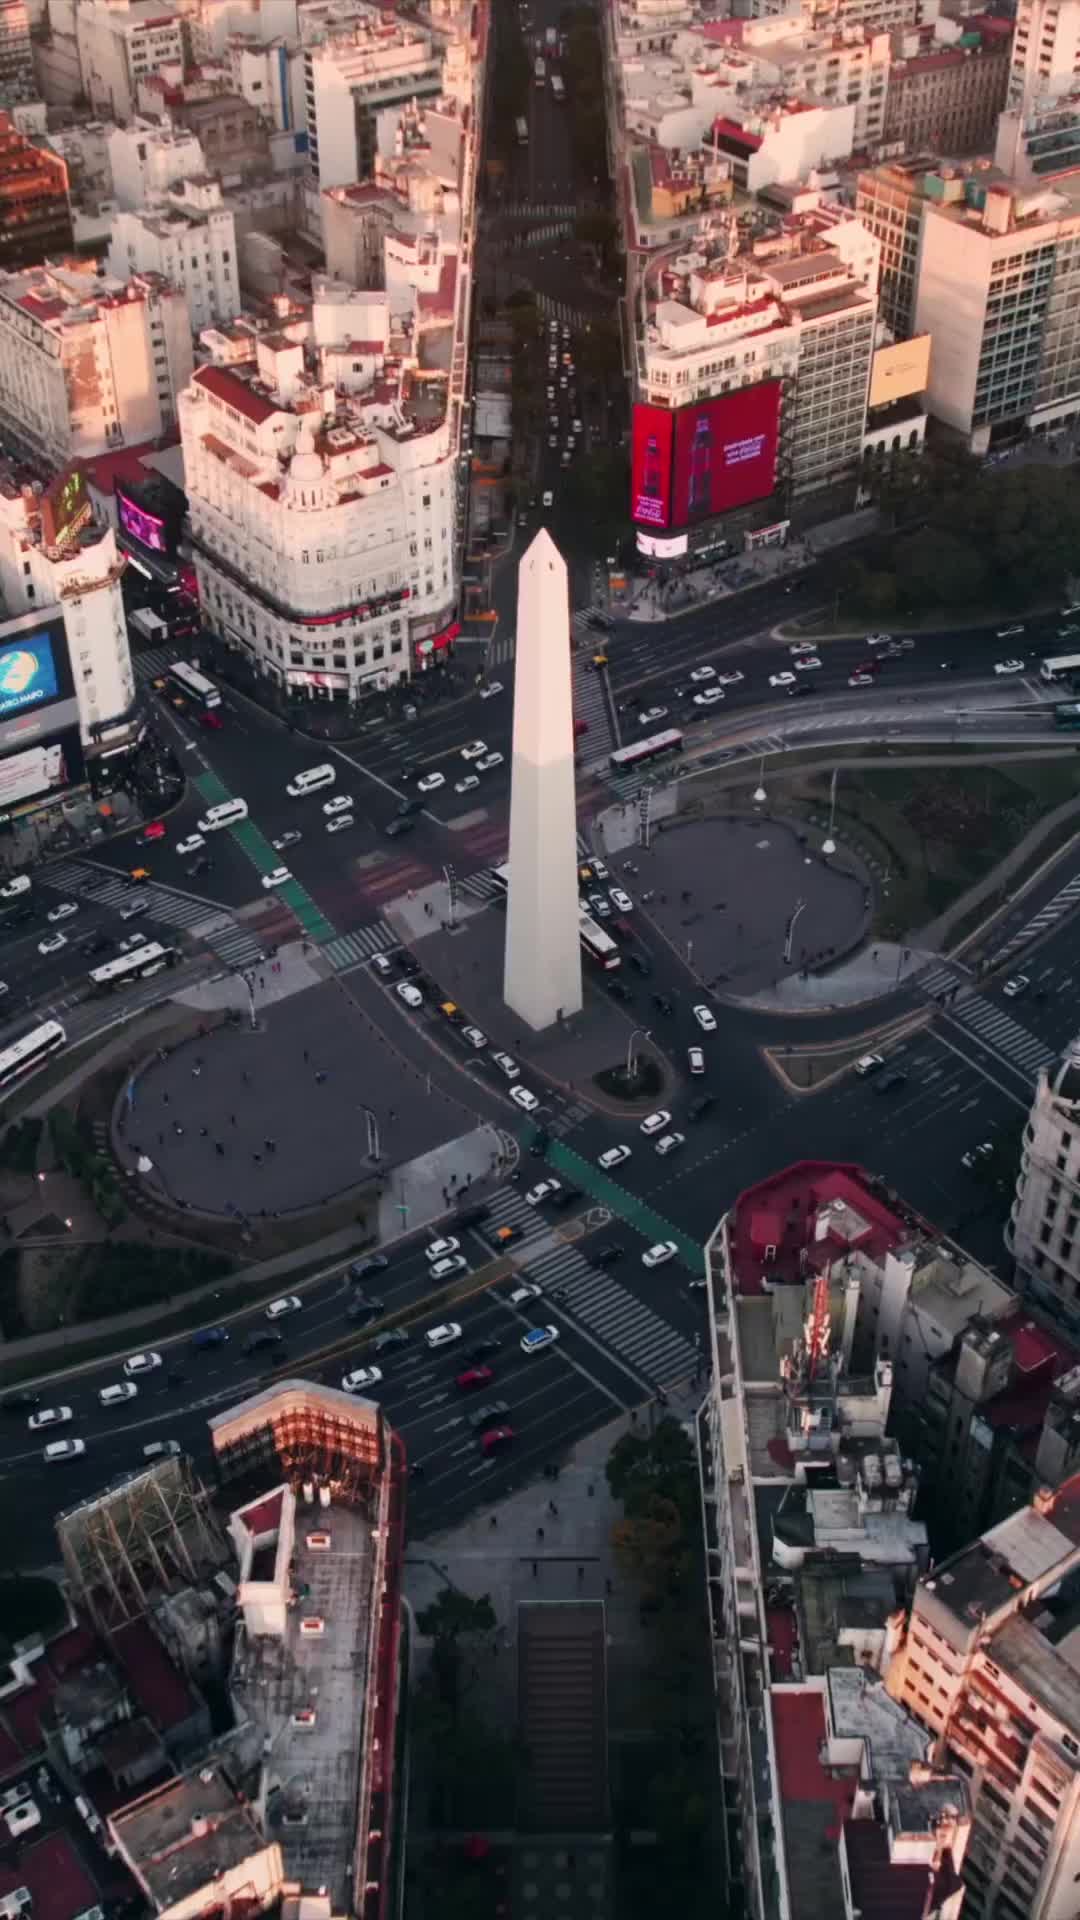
[(152, 1533)]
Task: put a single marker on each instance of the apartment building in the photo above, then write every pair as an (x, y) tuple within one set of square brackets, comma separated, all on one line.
[(889, 200), (355, 84), (35, 211), (88, 364), (120, 42), (812, 1555), (1045, 51), (947, 99), (17, 81), (190, 241), (1042, 1231), (988, 1664), (145, 160)]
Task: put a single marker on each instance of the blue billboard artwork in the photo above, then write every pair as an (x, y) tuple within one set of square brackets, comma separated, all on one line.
[(27, 674)]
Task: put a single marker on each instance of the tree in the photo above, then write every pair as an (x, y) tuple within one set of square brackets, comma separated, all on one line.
[(644, 1541), (453, 1613), (939, 568)]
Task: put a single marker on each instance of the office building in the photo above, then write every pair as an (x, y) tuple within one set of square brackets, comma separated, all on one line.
[(355, 84), (1045, 51), (120, 43), (17, 81), (35, 212), (188, 241), (89, 364), (146, 160), (946, 99), (1042, 1230)]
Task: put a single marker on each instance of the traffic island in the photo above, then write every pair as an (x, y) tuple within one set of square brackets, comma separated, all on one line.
[(642, 1081)]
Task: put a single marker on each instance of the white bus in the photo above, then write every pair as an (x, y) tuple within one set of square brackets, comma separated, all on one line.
[(146, 960), (31, 1051), (1060, 667), (195, 685), (597, 945)]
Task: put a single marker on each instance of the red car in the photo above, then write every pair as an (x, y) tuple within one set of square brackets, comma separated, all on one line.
[(213, 722), (474, 1377), (155, 831), (495, 1438)]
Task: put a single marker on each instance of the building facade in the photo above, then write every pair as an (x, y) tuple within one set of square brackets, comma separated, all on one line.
[(190, 241), (1045, 51), (121, 42), (35, 211), (355, 85), (1042, 1230), (947, 100), (16, 55)]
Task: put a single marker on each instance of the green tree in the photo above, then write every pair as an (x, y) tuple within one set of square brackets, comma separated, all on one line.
[(645, 1540), (453, 1613)]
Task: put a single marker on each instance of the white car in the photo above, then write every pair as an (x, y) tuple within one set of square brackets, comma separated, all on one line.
[(655, 1122), (870, 1063), (528, 1290), (341, 803), (56, 1450), (446, 1269), (801, 646), (543, 1190), (506, 1065), (339, 825), (656, 1256), (878, 639), (52, 943), (495, 686), (443, 1336), (276, 877), (63, 912), (670, 1143), (1009, 633), (468, 785), (475, 750), (703, 673), (192, 844), (489, 760), (411, 995), (696, 1058), (807, 662), (283, 841), (289, 1303), (613, 1157), (523, 1098), (161, 1450), (360, 1379), (142, 1363), (710, 698), (858, 679), (1009, 666), (431, 783), (475, 1037), (730, 679), (649, 714), (781, 679), (547, 498), (49, 1417), (538, 1338), (705, 1018), (621, 901), (122, 1390), (1018, 985), (439, 1249)]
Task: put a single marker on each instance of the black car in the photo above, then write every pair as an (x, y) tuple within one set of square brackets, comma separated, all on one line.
[(371, 1263), (264, 1337), (406, 962), (565, 1197), (412, 803), (489, 1415), (99, 943), (393, 1337), (20, 1403), (802, 686), (404, 823), (640, 964), (363, 1307), (607, 1256), (700, 1106), (662, 1003), (484, 1348), (542, 1141), (618, 991), (891, 1082), (472, 1216), (202, 864)]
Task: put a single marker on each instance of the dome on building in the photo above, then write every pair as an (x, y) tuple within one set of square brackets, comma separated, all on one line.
[(1064, 1079), (306, 468)]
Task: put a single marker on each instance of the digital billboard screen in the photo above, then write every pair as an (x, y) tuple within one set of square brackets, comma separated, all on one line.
[(725, 453), (650, 466), (28, 676), (35, 771), (147, 528)]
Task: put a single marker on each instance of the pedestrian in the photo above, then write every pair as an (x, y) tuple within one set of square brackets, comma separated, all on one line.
[(178, 1130), (257, 1157), (232, 1117), (262, 980), (195, 1072), (581, 1573), (164, 1099), (493, 1520), (608, 1588), (219, 1149), (320, 1077), (540, 1533), (270, 1145), (246, 1078), (592, 1490), (161, 1139), (534, 1565), (203, 1131), (553, 1509), (307, 1056)]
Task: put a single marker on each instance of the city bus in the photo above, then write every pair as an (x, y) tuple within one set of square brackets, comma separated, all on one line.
[(1068, 715), (148, 959), (196, 686), (521, 127), (1059, 667), (30, 1052), (625, 759), (596, 945)]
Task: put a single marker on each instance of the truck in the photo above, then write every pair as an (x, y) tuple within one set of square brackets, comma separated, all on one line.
[(149, 626)]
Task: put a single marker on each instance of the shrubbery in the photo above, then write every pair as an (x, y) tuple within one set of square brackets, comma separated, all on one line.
[(78, 1156)]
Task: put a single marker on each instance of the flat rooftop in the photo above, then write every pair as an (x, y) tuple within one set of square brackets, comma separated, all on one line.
[(813, 1805), (316, 1762), (182, 1835), (59, 1883), (775, 1234)]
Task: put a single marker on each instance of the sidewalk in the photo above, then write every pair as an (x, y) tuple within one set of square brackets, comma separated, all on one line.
[(869, 975)]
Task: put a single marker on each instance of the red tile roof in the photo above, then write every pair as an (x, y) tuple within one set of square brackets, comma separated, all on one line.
[(1039, 1359), (236, 393), (781, 1212), (878, 1887), (59, 1883), (735, 136), (442, 300), (154, 1682)]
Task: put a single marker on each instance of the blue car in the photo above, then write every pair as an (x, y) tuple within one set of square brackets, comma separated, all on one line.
[(209, 1337), (538, 1338)]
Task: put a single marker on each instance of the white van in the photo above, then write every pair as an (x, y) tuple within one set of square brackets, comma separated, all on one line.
[(311, 781), (228, 814), (12, 888)]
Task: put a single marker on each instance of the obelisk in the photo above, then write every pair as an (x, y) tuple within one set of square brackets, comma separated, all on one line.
[(542, 974)]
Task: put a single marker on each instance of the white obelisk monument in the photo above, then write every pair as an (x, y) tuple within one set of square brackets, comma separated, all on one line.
[(542, 975)]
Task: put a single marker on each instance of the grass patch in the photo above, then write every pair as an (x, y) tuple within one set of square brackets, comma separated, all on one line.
[(45, 1288)]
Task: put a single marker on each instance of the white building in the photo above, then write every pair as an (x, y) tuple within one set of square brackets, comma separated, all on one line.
[(190, 241), (120, 42), (146, 160), (271, 76), (1042, 1230), (356, 84), (1045, 52), (89, 364)]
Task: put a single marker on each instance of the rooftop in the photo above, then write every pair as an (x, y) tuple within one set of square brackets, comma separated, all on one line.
[(813, 1804), (58, 1882), (155, 1684), (891, 1890), (1038, 1543), (237, 393), (801, 1219), (182, 1835)]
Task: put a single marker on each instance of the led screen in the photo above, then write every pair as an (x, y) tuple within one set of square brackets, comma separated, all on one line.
[(39, 770), (147, 528), (27, 673), (725, 453), (650, 473)]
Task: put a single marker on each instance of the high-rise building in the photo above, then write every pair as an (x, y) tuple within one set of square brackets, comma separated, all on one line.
[(35, 212), (16, 55), (355, 84), (1045, 50), (121, 42), (88, 364), (188, 240), (946, 99), (1042, 1231)]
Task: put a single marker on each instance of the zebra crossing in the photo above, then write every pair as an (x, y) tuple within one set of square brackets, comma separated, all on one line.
[(591, 706), (1060, 904), (152, 662), (533, 210), (562, 311), (220, 932), (943, 978), (1002, 1034), (482, 885), (543, 236), (351, 949), (500, 651)]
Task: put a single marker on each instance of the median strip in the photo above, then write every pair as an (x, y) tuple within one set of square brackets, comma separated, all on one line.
[(263, 857), (636, 1213)]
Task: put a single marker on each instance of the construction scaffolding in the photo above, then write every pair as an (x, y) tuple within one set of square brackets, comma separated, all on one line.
[(152, 1533)]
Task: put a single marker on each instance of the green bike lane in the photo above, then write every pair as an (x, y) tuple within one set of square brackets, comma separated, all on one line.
[(257, 847), (624, 1205)]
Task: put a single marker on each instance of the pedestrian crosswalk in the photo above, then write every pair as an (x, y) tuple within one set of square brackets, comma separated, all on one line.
[(533, 210), (543, 236), (591, 704), (941, 980), (562, 311), (1055, 909), (482, 885), (151, 662), (610, 1312), (83, 881), (350, 949), (501, 650), (1002, 1034)]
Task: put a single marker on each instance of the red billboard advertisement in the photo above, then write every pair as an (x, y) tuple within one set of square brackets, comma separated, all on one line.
[(725, 452), (650, 468)]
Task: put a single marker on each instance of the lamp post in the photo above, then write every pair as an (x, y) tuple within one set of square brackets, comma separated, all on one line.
[(760, 795), (800, 907), (374, 1145), (828, 845), (638, 1033), (451, 885)]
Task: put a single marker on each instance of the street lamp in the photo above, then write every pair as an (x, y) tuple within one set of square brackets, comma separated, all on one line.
[(828, 845), (760, 795), (374, 1146), (638, 1033)]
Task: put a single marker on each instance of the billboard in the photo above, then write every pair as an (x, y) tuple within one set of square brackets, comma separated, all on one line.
[(663, 546), (900, 371), (38, 771), (28, 676), (65, 508), (147, 528), (650, 466), (725, 452)]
